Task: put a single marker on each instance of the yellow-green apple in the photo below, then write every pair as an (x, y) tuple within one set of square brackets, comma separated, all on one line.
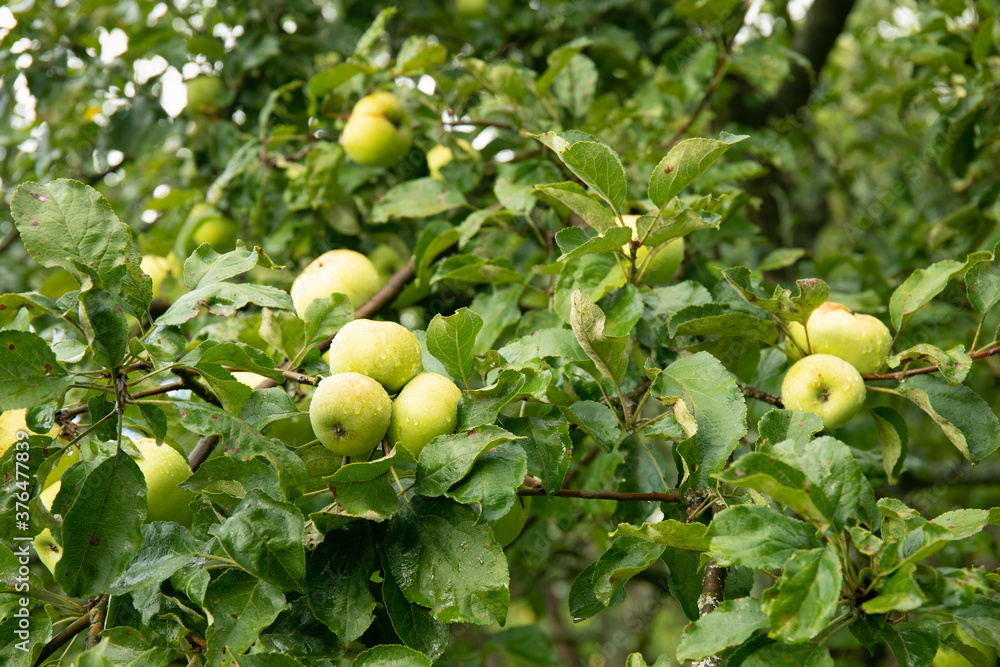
[(249, 379), (824, 385), (425, 408), (164, 468), (471, 9), (67, 457), (11, 423), (337, 271), (438, 157), (660, 266), (202, 92), (378, 132), (160, 269), (510, 525), (387, 260), (861, 340), (387, 352), (350, 413), (48, 550), (218, 231)]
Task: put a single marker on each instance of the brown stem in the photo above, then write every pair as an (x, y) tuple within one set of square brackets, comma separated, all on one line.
[(67, 635), (714, 584), (605, 495), (9, 239), (923, 370), (761, 395), (97, 615)]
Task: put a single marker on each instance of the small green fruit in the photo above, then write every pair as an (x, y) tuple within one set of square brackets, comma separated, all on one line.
[(378, 132), (386, 261), (337, 271), (660, 267), (438, 157), (219, 232), (387, 352), (510, 525), (861, 340), (824, 385), (48, 550), (350, 413), (426, 408), (164, 468), (12, 422), (202, 92), (160, 269)]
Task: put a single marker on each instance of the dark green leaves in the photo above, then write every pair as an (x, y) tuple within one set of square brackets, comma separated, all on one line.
[(166, 548), (730, 624), (964, 417), (684, 163), (594, 163), (607, 352), (448, 458), (812, 293), (363, 489), (29, 372), (338, 579), (758, 536), (807, 595), (602, 584), (241, 605), (452, 341), (419, 198)]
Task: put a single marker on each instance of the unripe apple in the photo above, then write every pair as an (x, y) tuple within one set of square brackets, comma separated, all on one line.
[(378, 132), (438, 157), (337, 271), (471, 9), (219, 232), (861, 340), (350, 413), (386, 260), (387, 352), (164, 468), (160, 268), (426, 408), (12, 422), (249, 379), (49, 552), (824, 385), (510, 525), (201, 93), (660, 267)]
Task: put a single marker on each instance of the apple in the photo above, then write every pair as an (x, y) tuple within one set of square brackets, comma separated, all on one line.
[(387, 352), (219, 232), (438, 157), (164, 468), (387, 260), (337, 271), (861, 340), (824, 385), (471, 9), (160, 269), (426, 408), (510, 525), (48, 550), (660, 266), (350, 413), (68, 457), (378, 132), (202, 92), (12, 422), (249, 379)]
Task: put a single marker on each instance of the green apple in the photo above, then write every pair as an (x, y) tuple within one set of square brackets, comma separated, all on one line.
[(337, 271), (164, 468), (202, 92), (861, 340), (350, 413), (378, 132), (68, 457), (426, 408), (659, 267), (219, 232), (438, 157), (824, 385), (48, 550), (510, 525), (387, 352), (249, 379), (386, 260), (12, 422), (471, 9), (160, 269)]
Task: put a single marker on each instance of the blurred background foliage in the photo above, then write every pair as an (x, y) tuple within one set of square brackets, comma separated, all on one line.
[(874, 130)]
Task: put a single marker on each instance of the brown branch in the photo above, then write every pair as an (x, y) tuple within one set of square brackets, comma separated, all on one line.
[(482, 123), (761, 395), (9, 239), (97, 615), (713, 588), (923, 370), (605, 495), (67, 635)]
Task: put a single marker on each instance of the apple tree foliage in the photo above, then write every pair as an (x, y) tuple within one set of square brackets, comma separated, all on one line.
[(673, 496)]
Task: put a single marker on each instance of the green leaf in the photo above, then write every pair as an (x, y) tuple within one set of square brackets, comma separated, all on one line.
[(481, 406), (493, 480), (444, 558), (363, 489), (265, 537), (893, 437), (954, 364), (70, 225), (813, 292), (783, 655), (684, 163), (574, 242), (912, 644), (731, 624), (391, 655), (543, 344), (412, 623), (716, 319), (225, 475), (33, 304), (981, 620), (417, 53), (241, 605), (102, 510), (581, 202), (224, 299), (557, 60), (265, 660), (900, 592), (982, 283), (325, 316), (206, 267), (670, 533), (964, 417), (759, 537), (548, 447), (448, 458), (807, 595), (452, 341), (830, 466), (925, 284), (472, 269), (781, 425), (417, 198), (602, 584), (166, 548), (29, 372), (330, 79), (338, 578), (599, 168), (607, 352), (435, 238), (713, 397), (656, 232), (103, 321), (498, 310), (597, 420)]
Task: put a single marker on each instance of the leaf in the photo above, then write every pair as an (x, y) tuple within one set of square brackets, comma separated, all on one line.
[(982, 283), (337, 581), (783, 655), (435, 238), (657, 232), (363, 489), (807, 595), (525, 643), (684, 163), (445, 559), (758, 537), (731, 624), (166, 548), (498, 310), (925, 284), (670, 533), (596, 420), (412, 623), (29, 372), (980, 620), (391, 655), (954, 364), (265, 537), (102, 510), (417, 198), (68, 224), (224, 299), (206, 267), (240, 606), (557, 60), (481, 406), (543, 344), (964, 417), (493, 481), (893, 436), (585, 205), (912, 644), (448, 458), (599, 168), (452, 341), (330, 79), (574, 242), (223, 474), (325, 316), (781, 425), (900, 592), (417, 53), (103, 321), (718, 319), (830, 467), (33, 304), (548, 447), (602, 584), (472, 269), (607, 352), (710, 393), (813, 292)]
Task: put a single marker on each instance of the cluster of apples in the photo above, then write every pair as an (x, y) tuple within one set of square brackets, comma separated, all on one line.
[(826, 376)]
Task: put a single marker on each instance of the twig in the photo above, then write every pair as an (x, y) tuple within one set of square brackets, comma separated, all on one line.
[(482, 123), (97, 615), (67, 635), (761, 395), (10, 238), (923, 370), (714, 585), (605, 495)]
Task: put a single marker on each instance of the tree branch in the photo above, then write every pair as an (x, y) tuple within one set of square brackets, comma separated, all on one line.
[(923, 370), (482, 123), (605, 495), (67, 635), (761, 395), (714, 585), (97, 615)]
